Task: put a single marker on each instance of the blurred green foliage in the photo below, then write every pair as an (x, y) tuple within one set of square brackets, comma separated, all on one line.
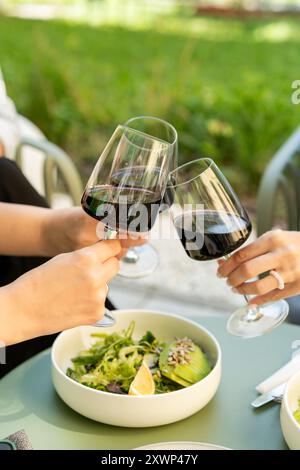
[(225, 85)]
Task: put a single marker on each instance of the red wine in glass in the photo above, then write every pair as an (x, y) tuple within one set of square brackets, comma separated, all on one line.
[(221, 233), (122, 204)]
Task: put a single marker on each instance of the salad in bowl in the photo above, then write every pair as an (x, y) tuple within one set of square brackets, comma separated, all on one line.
[(151, 368), (117, 363)]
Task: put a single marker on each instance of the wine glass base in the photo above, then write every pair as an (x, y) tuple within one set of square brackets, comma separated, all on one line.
[(107, 320), (271, 315), (145, 263)]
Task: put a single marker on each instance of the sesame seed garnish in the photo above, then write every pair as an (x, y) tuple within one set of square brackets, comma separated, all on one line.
[(180, 352)]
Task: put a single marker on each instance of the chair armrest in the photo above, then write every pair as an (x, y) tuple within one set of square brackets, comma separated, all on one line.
[(56, 158)]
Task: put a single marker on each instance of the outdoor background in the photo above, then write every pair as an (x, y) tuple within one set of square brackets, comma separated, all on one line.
[(220, 72)]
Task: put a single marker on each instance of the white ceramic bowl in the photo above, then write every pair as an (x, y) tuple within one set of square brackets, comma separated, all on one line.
[(136, 411), (289, 426)]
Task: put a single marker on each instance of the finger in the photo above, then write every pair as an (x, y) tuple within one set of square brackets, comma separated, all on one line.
[(253, 268), (109, 269), (101, 310), (122, 253), (132, 237), (101, 251), (254, 249), (130, 242), (260, 287), (276, 294), (103, 291), (99, 230)]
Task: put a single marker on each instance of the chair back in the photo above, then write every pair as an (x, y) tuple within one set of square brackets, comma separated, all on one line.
[(279, 191)]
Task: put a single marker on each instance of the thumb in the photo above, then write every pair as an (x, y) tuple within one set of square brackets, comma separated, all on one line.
[(103, 250)]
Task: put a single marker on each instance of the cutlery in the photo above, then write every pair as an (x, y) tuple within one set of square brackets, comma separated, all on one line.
[(275, 394)]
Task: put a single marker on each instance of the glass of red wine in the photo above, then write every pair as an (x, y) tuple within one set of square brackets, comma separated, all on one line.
[(142, 260), (126, 188), (212, 223)]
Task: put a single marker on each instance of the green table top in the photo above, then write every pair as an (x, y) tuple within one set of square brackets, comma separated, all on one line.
[(28, 401)]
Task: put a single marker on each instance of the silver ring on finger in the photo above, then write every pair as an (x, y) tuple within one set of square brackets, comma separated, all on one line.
[(280, 281)]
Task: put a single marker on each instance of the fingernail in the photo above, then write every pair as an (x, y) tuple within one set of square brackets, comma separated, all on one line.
[(218, 274), (228, 282), (252, 305), (235, 290)]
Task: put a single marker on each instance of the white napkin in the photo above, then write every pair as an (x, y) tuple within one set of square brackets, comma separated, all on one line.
[(281, 376)]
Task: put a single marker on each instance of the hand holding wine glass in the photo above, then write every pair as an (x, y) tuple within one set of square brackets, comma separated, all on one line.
[(212, 223), (276, 249), (67, 291)]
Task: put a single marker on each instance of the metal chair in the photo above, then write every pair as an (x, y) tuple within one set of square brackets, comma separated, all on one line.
[(56, 161), (282, 178), (53, 162)]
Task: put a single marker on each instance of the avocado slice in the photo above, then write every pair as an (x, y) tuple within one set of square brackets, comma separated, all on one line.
[(187, 374)]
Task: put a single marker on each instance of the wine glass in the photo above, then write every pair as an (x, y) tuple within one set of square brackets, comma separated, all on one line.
[(142, 260), (212, 223), (127, 185)]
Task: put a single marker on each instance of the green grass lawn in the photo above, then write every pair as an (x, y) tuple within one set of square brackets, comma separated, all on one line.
[(225, 85)]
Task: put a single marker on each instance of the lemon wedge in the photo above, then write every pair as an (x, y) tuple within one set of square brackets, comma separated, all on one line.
[(143, 383)]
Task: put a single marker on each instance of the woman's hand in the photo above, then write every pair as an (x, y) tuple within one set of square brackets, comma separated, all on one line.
[(67, 291), (275, 250), (70, 229)]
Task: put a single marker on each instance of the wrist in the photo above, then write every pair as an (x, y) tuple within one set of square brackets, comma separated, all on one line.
[(11, 329), (54, 232), (66, 230), (21, 311)]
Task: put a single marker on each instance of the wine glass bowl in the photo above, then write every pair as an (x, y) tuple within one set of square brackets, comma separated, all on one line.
[(129, 180), (212, 223), (142, 260), (208, 216)]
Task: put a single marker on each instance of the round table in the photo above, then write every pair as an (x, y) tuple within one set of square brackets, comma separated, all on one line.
[(28, 401)]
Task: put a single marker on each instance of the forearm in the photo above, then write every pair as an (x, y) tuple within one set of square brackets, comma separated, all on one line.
[(37, 231), (22, 230)]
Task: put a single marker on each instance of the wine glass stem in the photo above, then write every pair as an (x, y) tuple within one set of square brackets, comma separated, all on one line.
[(109, 234), (253, 313), (131, 256), (108, 318)]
